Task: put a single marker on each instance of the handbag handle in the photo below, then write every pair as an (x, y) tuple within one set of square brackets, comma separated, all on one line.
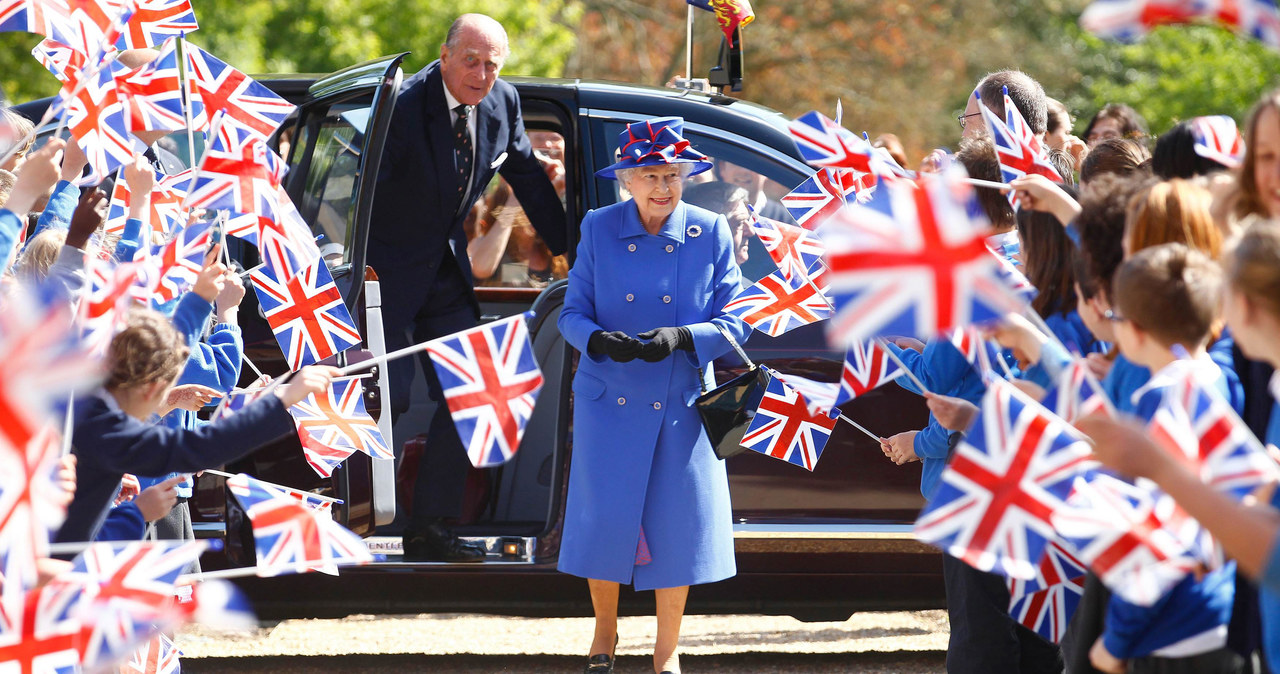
[(734, 343)]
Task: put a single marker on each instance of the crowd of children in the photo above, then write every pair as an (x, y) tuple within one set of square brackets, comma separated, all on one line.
[(1155, 264)]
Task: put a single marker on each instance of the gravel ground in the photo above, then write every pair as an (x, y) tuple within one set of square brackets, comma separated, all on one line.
[(868, 642)]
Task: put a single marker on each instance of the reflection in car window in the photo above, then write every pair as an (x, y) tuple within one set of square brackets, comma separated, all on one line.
[(764, 180), (329, 191), (504, 248)]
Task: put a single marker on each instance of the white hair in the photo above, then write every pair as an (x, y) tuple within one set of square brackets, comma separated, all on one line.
[(624, 175)]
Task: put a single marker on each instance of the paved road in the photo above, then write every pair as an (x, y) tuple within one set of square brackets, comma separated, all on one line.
[(870, 642)]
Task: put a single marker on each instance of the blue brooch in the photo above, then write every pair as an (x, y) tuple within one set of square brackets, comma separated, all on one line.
[(694, 231)]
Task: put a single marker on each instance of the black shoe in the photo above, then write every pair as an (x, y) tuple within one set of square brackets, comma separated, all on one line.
[(602, 663), (435, 543)]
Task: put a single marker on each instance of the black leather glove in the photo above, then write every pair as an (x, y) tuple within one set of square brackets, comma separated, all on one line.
[(663, 342), (616, 345)]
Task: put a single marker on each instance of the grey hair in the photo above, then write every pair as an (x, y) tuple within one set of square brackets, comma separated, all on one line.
[(482, 22), (624, 175)]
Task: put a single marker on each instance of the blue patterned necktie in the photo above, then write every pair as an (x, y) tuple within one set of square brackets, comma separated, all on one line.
[(462, 148)]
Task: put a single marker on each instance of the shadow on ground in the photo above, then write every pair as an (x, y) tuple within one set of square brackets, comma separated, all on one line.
[(756, 663)]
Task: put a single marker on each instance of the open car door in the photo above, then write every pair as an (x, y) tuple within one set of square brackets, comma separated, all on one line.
[(333, 147)]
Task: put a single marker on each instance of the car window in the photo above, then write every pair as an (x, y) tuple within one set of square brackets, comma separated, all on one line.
[(505, 250), (327, 198), (764, 178)]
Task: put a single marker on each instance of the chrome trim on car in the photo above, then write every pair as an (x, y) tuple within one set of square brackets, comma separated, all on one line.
[(494, 547)]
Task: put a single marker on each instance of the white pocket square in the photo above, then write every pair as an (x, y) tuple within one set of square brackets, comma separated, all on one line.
[(498, 162)]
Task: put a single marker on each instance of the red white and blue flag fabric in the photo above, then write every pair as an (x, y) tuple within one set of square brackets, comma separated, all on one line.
[(822, 196), (59, 59), (49, 18), (158, 656), (223, 88), (97, 118), (155, 21), (109, 291), (238, 172), (1134, 538), (32, 502), (774, 305), (289, 537), (866, 367), (1046, 603), (1007, 477), (785, 428), (1017, 148), (339, 422), (165, 215), (1129, 20), (912, 261), (818, 395), (306, 312), (1197, 426), (794, 249), (178, 263), (825, 144), (491, 379), (283, 236), (97, 25), (1078, 394), (153, 93), (1217, 138), (127, 595), (40, 631)]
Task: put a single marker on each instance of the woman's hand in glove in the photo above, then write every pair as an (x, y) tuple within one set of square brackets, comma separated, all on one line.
[(663, 342), (617, 345)]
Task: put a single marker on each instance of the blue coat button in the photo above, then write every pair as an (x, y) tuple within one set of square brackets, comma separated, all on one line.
[(632, 248), (630, 297), (622, 401)]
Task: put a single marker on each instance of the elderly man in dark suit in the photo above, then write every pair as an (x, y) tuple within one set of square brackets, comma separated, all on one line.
[(455, 124)]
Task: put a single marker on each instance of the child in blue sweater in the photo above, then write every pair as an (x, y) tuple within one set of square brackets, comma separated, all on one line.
[(1167, 301)]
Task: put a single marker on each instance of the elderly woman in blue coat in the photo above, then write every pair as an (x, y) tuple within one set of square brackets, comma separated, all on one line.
[(648, 500)]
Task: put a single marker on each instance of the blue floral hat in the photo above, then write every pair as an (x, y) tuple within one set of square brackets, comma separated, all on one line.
[(653, 142)]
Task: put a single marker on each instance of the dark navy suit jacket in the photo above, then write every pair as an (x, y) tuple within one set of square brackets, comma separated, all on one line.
[(417, 218)]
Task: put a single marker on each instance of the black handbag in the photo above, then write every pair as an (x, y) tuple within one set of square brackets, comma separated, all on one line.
[(727, 410)]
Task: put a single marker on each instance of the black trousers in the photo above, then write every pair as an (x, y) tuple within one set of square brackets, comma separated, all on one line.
[(442, 470), (984, 639), (176, 526), (1221, 661), (1086, 626)]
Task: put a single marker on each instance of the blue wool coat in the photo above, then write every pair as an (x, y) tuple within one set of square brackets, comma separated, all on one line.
[(640, 457)]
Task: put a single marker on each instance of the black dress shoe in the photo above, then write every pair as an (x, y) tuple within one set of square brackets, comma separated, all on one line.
[(435, 543), (599, 664)]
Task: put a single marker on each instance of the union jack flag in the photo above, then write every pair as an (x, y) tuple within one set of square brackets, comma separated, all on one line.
[(820, 396), (59, 59), (97, 24), (177, 264), (822, 196), (976, 349), (50, 18), (491, 381), (290, 537), (238, 172), (1196, 425), (153, 93), (284, 238), (224, 88), (306, 313), (825, 144), (785, 428), (1077, 394), (32, 502), (110, 289), (1019, 285), (156, 21), (127, 594), (338, 420), (1134, 538), (794, 249), (866, 367), (158, 656), (1129, 20), (775, 305), (1008, 476), (1217, 138), (1017, 148), (912, 261), (96, 116), (165, 215), (40, 631), (1045, 604)]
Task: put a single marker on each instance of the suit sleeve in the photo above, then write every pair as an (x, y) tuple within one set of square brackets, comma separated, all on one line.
[(532, 186), (708, 342), (578, 318)]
